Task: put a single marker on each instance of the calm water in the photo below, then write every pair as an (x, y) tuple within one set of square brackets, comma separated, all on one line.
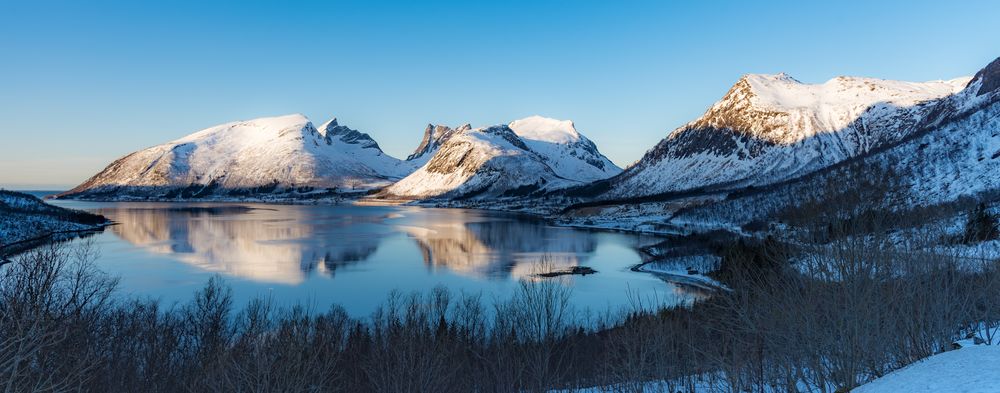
[(355, 255)]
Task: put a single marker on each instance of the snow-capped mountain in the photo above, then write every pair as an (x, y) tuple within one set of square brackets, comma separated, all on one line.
[(953, 152), (569, 154), (770, 128), (434, 136), (260, 155), (521, 158)]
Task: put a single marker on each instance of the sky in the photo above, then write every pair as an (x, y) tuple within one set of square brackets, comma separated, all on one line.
[(83, 83)]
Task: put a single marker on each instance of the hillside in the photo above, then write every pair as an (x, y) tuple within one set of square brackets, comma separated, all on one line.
[(25, 219)]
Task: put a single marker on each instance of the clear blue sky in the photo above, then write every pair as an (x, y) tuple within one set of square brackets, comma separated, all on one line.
[(85, 82)]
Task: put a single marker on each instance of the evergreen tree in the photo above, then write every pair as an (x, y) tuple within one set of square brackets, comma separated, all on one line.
[(981, 226)]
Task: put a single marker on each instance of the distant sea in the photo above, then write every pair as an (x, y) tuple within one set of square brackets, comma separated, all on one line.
[(40, 193)]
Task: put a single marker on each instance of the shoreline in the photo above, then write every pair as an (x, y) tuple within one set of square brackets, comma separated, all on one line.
[(550, 219), (49, 238)]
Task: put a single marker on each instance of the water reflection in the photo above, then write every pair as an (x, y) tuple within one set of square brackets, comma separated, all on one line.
[(353, 255), (243, 242), (287, 244), (500, 249)]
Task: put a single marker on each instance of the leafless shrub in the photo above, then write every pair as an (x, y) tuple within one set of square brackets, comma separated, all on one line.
[(48, 300), (817, 318)]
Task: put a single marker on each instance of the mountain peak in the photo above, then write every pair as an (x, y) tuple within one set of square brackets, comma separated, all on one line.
[(333, 130), (780, 77), (252, 129), (330, 125), (277, 121), (434, 136), (545, 129)]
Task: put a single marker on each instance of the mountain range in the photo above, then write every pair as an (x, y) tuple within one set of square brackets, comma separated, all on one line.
[(768, 135), (287, 157), (527, 157)]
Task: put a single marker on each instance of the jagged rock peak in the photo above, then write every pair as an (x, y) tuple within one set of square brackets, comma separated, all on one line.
[(332, 130), (989, 78), (434, 136)]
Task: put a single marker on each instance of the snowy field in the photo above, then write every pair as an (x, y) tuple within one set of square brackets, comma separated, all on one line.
[(972, 369)]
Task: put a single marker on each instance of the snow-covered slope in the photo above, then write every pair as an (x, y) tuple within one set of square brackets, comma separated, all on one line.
[(563, 148), (249, 157), (770, 128), (959, 152), (967, 370), (524, 157)]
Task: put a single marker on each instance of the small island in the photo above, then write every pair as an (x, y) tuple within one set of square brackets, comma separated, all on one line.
[(575, 270)]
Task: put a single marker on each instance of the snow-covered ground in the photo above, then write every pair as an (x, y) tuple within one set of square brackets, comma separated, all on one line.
[(971, 369), (689, 270)]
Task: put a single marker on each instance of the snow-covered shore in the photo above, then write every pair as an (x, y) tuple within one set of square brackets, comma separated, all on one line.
[(26, 220)]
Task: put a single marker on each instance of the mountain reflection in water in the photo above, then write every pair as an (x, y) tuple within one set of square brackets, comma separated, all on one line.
[(500, 249), (355, 255), (285, 248), (236, 242)]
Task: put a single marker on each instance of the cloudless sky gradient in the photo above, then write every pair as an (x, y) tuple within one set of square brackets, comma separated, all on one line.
[(85, 82)]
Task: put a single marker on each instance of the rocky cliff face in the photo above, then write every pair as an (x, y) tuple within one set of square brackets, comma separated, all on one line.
[(434, 137)]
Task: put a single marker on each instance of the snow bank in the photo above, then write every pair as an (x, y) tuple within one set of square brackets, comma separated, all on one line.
[(974, 369)]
